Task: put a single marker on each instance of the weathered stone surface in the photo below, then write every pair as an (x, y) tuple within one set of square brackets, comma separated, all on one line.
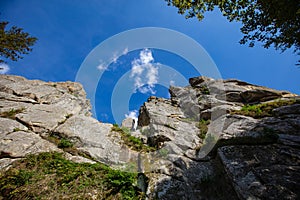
[(287, 110), (168, 124), (263, 172), (195, 81), (128, 123), (19, 144), (9, 125), (95, 139), (44, 116)]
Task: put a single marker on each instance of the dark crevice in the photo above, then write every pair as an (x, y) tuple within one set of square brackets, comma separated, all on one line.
[(24, 123)]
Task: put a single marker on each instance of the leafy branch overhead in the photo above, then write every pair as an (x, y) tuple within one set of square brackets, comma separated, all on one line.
[(14, 42), (272, 22)]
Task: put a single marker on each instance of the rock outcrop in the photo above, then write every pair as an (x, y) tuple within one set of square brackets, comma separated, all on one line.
[(214, 139), (37, 116)]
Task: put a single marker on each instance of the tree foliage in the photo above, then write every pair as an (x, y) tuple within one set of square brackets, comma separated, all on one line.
[(272, 22), (14, 42)]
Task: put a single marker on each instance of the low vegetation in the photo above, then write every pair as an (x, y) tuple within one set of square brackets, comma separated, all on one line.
[(51, 176), (203, 128), (11, 114), (67, 145), (263, 109), (204, 90), (131, 141)]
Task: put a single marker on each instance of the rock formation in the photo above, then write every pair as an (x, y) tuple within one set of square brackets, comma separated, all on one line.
[(214, 139)]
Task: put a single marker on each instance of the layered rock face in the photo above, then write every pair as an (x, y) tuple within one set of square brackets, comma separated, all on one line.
[(214, 139)]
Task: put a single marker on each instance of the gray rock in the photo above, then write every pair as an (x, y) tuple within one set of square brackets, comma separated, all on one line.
[(260, 95), (9, 125), (287, 110), (128, 123), (19, 144), (96, 139), (256, 171), (195, 81), (5, 163), (44, 116), (78, 159)]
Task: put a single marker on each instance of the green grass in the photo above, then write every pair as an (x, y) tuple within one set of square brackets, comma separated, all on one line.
[(51, 176), (131, 141), (11, 114), (203, 128), (67, 145), (263, 109)]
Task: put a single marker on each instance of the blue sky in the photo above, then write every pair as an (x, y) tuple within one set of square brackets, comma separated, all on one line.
[(68, 30)]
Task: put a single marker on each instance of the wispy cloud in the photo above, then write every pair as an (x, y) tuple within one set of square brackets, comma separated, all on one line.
[(4, 68), (125, 51), (104, 65), (144, 72)]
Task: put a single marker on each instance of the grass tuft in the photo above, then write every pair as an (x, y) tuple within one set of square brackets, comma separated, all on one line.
[(134, 143), (203, 128), (11, 114), (263, 109)]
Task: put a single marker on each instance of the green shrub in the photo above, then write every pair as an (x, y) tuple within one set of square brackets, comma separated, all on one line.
[(131, 141), (65, 143)]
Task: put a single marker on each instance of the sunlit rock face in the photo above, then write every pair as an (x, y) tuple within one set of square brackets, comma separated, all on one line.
[(213, 139)]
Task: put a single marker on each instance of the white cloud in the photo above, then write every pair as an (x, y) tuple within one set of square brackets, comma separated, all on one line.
[(172, 82), (144, 72), (134, 115), (4, 68), (136, 70), (125, 51), (114, 58), (102, 67), (152, 75), (146, 56)]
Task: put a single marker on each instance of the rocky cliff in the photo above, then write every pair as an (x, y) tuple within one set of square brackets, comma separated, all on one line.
[(214, 139)]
